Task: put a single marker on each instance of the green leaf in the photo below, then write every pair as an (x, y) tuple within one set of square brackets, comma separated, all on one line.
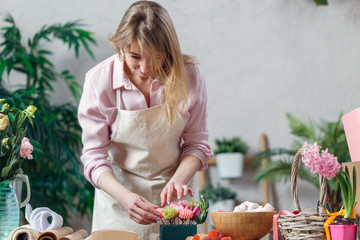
[(2, 67), (301, 129), (201, 217), (5, 172), (354, 184), (229, 145), (321, 2)]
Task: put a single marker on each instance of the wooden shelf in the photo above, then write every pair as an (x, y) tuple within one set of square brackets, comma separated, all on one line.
[(247, 160)]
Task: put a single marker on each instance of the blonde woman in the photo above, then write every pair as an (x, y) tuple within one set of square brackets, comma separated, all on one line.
[(143, 116)]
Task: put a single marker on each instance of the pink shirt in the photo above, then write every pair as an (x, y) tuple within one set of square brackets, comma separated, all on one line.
[(97, 113)]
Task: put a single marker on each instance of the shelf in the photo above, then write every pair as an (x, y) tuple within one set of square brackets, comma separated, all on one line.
[(247, 160)]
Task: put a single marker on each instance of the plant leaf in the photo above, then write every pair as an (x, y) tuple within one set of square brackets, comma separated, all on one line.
[(321, 2), (2, 67)]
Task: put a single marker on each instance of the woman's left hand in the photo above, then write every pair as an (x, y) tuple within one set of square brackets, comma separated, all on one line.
[(176, 190)]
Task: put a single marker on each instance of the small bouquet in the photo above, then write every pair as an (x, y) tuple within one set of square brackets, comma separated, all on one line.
[(184, 212), (14, 145)]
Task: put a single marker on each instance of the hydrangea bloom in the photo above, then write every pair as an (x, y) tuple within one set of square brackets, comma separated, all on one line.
[(323, 163)]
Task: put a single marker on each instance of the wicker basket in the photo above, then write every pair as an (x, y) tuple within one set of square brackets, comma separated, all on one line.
[(303, 225)]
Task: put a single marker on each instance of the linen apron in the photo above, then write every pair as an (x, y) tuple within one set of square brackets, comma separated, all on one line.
[(144, 151)]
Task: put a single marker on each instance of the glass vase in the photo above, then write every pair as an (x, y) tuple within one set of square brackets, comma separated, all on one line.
[(9, 210)]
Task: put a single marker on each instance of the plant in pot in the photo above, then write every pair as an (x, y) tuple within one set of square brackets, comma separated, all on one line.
[(55, 175), (220, 197), (229, 156), (343, 224)]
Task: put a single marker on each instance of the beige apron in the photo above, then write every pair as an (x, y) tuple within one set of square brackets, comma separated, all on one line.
[(144, 152)]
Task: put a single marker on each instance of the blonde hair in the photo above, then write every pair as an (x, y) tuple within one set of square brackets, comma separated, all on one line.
[(149, 23)]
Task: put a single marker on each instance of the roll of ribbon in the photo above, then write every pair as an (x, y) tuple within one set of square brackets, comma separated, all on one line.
[(39, 218)]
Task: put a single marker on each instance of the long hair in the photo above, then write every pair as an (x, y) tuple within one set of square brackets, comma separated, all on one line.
[(150, 25)]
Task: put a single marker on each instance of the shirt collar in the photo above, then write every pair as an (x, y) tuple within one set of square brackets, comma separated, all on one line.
[(120, 78)]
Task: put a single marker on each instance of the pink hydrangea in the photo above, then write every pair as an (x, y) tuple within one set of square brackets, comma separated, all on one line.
[(323, 163), (26, 149)]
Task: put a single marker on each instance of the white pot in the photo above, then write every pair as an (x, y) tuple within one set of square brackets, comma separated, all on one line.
[(224, 205), (230, 165)]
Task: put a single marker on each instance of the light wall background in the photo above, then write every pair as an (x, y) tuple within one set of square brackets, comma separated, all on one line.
[(261, 59)]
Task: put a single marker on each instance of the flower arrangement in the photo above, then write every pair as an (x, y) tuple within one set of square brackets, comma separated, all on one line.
[(184, 212), (14, 145), (327, 165)]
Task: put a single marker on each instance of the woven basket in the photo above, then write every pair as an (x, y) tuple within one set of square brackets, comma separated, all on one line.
[(303, 225)]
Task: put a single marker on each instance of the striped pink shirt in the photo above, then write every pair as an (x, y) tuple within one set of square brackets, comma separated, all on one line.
[(97, 113)]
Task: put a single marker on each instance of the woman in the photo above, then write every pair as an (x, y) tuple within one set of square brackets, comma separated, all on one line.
[(143, 115)]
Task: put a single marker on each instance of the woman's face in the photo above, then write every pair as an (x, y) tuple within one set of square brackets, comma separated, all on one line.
[(139, 63)]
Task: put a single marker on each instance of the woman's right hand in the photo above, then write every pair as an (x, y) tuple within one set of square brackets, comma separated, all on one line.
[(139, 209)]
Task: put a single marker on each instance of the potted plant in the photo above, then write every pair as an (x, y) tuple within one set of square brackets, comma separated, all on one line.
[(229, 156), (55, 174), (220, 197), (343, 225)]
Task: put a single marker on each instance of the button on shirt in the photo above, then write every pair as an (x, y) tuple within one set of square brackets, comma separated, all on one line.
[(97, 113)]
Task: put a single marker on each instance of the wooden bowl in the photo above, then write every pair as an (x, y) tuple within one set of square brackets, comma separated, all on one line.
[(243, 225), (113, 235)]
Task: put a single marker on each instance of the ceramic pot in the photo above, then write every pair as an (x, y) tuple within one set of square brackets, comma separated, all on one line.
[(343, 232), (223, 205), (230, 165)]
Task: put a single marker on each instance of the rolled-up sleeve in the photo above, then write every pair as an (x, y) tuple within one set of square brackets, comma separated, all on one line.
[(195, 135), (95, 114)]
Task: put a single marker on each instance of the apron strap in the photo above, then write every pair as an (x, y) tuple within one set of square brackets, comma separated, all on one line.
[(118, 100)]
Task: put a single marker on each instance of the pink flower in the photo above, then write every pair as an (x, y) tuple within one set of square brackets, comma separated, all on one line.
[(176, 205), (26, 149), (323, 163), (185, 213)]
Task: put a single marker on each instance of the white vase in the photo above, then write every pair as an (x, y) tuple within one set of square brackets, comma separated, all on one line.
[(230, 165)]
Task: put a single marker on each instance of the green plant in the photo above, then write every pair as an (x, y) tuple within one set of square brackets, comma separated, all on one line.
[(55, 177), (218, 193), (327, 134), (230, 145), (348, 190), (321, 2), (14, 145)]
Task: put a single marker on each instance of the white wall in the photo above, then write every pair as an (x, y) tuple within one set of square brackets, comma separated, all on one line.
[(261, 60)]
